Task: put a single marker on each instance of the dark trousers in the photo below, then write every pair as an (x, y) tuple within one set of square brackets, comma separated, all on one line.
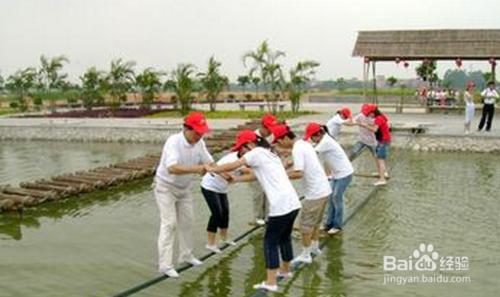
[(278, 239), (219, 208), (488, 113)]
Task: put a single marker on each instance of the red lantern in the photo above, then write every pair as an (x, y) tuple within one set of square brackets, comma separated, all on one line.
[(398, 60), (406, 64), (367, 60), (458, 62)]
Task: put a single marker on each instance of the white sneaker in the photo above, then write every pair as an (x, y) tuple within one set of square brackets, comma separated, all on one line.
[(260, 222), (288, 274), (229, 242), (334, 231), (386, 175), (170, 272), (380, 183), (304, 257), (316, 251), (193, 261), (213, 248), (264, 286)]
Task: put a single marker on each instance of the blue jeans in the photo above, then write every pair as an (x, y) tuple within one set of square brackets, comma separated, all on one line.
[(278, 239), (335, 218)]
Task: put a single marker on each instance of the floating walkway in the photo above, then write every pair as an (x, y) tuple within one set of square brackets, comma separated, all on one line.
[(70, 185)]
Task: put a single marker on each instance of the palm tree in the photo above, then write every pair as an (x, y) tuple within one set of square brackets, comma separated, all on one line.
[(92, 87), (49, 76), (212, 82), (300, 75), (21, 84), (149, 85), (265, 65), (183, 85), (256, 83), (120, 80), (243, 80)]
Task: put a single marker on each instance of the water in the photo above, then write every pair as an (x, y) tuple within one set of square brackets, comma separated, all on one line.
[(103, 243)]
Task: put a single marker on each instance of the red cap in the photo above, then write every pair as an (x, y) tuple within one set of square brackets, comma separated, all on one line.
[(366, 109), (279, 131), (244, 137), (311, 129), (196, 121), (269, 121), (346, 112)]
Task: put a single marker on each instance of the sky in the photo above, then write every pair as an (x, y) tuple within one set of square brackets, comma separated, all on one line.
[(164, 33)]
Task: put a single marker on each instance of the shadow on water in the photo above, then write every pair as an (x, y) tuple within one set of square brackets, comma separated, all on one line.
[(13, 223)]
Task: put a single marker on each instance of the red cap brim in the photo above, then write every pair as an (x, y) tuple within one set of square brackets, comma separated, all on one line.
[(201, 129)]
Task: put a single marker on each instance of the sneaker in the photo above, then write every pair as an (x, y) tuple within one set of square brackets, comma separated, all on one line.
[(288, 274), (316, 251), (260, 222), (170, 272), (264, 286), (229, 242), (213, 248), (304, 257), (334, 231), (193, 261), (386, 175), (380, 183)]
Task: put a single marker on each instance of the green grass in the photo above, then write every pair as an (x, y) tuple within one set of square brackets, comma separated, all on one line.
[(4, 111), (231, 114), (389, 92)]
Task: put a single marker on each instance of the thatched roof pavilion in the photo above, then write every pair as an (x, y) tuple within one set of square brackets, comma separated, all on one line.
[(409, 45)]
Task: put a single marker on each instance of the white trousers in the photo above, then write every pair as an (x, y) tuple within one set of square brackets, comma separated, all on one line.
[(177, 220)]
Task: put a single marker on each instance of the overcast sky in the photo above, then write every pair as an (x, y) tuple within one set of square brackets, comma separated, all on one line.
[(163, 33)]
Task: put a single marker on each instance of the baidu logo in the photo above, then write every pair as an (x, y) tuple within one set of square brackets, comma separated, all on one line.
[(425, 258)]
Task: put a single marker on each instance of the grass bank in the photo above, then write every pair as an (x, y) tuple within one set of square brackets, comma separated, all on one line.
[(231, 114)]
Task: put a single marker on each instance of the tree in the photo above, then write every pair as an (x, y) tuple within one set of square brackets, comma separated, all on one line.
[(212, 82), (120, 80), (265, 65), (1, 83), (256, 82), (93, 82), (243, 80), (427, 72), (340, 83), (391, 81), (300, 75), (49, 77), (149, 85), (183, 85), (21, 84)]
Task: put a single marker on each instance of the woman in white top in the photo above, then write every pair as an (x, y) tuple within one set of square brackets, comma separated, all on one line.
[(342, 117), (214, 189), (306, 165), (337, 161), (469, 106), (283, 201)]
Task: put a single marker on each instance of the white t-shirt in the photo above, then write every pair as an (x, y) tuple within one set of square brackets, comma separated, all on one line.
[(366, 135), (315, 182), (334, 125), (215, 182), (178, 151), (490, 96), (335, 157), (272, 177)]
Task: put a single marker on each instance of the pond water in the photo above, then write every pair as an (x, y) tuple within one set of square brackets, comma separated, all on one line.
[(104, 243)]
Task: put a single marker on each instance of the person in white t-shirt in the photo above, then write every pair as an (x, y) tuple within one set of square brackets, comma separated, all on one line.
[(337, 161), (469, 106), (260, 207), (342, 117), (490, 97), (367, 139), (306, 166), (283, 201), (214, 188), (184, 155)]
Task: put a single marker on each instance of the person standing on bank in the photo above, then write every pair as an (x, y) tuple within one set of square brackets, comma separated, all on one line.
[(490, 96), (342, 117), (184, 155), (260, 207), (306, 165), (469, 106), (336, 160), (283, 201), (214, 188)]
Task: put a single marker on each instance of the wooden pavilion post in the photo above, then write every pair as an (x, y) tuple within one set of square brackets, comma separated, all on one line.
[(375, 99), (365, 78), (493, 76)]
